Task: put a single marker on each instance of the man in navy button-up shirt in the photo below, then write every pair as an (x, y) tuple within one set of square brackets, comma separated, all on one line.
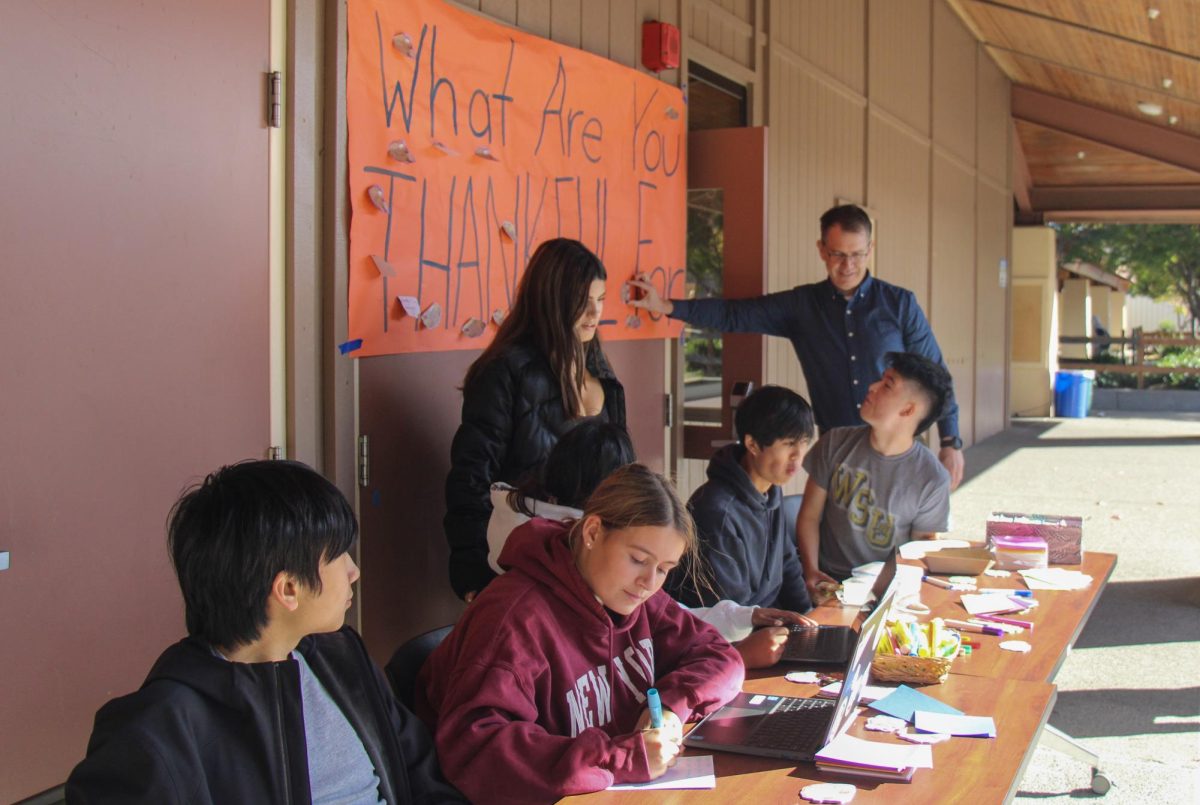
[(841, 328)]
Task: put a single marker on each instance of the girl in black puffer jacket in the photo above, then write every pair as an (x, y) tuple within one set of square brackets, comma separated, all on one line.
[(544, 369)]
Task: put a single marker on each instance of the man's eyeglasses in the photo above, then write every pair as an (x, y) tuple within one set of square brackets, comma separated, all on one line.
[(857, 258)]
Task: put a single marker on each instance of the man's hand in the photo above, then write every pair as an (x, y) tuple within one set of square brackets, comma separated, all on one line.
[(952, 460), (650, 300), (814, 580), (765, 616), (764, 647)]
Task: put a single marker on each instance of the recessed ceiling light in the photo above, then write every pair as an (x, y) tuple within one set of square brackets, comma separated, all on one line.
[(1173, 119), (1080, 154), (1152, 13), (1167, 83), (1150, 108)]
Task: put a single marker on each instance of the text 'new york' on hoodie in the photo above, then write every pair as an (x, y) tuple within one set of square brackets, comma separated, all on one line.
[(536, 692)]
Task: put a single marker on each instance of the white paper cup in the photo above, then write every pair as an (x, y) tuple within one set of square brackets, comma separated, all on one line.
[(855, 591)]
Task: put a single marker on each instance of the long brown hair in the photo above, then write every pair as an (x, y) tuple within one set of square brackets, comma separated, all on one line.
[(635, 495), (551, 297)]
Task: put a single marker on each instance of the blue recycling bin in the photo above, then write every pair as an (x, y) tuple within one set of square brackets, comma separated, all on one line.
[(1073, 393)]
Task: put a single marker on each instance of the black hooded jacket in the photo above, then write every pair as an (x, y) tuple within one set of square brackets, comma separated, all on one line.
[(746, 543), (205, 730), (512, 416)]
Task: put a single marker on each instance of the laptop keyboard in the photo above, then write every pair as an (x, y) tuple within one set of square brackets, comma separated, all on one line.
[(809, 638), (794, 725), (805, 641)]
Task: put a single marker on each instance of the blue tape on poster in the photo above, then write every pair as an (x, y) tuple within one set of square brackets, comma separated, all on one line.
[(350, 346)]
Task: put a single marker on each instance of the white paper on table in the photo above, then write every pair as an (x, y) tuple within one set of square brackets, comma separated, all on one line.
[(983, 604), (947, 724), (857, 752), (689, 771), (1055, 578)]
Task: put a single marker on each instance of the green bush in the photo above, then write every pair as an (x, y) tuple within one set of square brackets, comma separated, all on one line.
[(1182, 356)]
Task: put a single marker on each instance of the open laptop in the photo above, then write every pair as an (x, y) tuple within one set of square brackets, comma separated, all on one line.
[(787, 727), (833, 644)]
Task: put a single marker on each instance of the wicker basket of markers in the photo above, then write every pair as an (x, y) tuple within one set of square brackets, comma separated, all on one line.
[(917, 653)]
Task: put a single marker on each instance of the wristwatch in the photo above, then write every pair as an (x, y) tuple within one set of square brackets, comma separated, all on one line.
[(952, 441)]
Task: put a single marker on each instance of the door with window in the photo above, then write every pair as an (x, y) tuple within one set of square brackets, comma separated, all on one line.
[(726, 257)]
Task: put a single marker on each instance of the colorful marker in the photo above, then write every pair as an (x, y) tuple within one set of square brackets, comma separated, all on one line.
[(655, 705), (1009, 621), (973, 627)]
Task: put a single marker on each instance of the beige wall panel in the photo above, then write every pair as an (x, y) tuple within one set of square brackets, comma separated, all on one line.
[(952, 309), (534, 16), (594, 23), (500, 9), (994, 123), (831, 34), (728, 31), (815, 151), (692, 473), (898, 194), (565, 22), (991, 310), (623, 20), (899, 59), (954, 85), (1029, 313)]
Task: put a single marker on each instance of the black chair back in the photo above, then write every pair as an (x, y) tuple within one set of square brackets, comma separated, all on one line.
[(405, 664)]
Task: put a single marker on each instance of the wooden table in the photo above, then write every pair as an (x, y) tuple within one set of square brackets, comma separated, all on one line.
[(968, 770), (1058, 619), (1015, 689)]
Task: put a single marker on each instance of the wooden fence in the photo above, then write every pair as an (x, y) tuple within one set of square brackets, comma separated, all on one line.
[(1139, 346)]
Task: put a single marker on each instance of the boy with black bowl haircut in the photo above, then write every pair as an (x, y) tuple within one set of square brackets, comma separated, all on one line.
[(874, 487), (745, 539), (271, 698)]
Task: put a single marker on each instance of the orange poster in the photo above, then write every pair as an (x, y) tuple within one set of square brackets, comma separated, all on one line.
[(469, 144)]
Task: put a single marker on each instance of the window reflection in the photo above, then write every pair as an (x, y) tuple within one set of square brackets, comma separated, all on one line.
[(705, 268)]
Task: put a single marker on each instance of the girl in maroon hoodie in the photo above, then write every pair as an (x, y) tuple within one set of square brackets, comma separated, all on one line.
[(540, 690)]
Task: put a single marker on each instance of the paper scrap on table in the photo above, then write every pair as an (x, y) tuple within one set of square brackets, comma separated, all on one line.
[(998, 574), (803, 677), (1055, 578), (918, 548), (984, 604), (856, 752), (884, 724), (829, 793), (922, 737), (689, 772), (1019, 646), (968, 726), (870, 693), (904, 702)]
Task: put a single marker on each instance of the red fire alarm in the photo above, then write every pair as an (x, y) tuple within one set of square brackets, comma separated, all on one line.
[(660, 46)]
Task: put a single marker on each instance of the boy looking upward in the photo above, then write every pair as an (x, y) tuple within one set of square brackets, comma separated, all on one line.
[(271, 698), (873, 487)]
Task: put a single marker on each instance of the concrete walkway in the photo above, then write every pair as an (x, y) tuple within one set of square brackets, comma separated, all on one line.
[(1131, 688)]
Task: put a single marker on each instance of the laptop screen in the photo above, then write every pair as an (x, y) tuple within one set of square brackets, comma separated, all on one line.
[(858, 671)]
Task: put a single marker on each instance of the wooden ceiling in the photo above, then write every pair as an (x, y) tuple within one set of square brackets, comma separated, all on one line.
[(1079, 70)]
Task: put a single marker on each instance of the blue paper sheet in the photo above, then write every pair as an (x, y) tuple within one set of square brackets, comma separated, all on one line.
[(904, 701)]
